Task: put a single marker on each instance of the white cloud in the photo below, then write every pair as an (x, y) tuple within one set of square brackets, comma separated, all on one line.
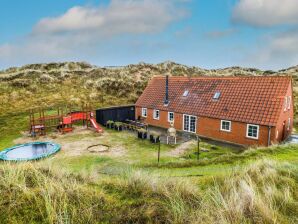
[(128, 16), (275, 52), (282, 47), (265, 13), (82, 31)]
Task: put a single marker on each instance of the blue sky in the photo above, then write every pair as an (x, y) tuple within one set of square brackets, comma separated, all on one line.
[(204, 33)]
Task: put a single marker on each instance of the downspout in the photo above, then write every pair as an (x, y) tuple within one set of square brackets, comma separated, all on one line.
[(269, 135)]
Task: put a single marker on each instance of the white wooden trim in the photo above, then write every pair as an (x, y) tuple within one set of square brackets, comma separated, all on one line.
[(258, 131), (189, 123), (225, 129), (285, 103), (289, 124), (144, 108), (289, 102)]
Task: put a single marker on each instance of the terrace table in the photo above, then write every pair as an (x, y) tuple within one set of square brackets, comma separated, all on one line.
[(137, 125)]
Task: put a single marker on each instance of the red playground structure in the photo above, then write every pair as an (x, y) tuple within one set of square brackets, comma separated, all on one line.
[(63, 122)]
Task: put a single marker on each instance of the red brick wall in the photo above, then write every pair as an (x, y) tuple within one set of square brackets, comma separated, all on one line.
[(163, 120), (281, 132), (210, 128)]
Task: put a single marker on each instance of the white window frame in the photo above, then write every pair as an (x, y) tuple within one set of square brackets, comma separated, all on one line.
[(289, 124), (230, 125), (258, 131), (144, 114), (286, 103), (289, 102), (189, 116), (154, 114), (169, 120)]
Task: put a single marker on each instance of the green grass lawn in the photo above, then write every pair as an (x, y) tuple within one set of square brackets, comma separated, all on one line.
[(133, 188), (141, 154), (11, 127)]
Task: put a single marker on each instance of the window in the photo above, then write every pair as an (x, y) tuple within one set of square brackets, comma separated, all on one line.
[(185, 93), (186, 123), (189, 123), (216, 95), (289, 102), (144, 112), (289, 124), (170, 116), (156, 114), (252, 131), (225, 125), (192, 126)]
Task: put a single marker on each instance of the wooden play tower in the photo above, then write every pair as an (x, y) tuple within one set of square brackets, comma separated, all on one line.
[(60, 119)]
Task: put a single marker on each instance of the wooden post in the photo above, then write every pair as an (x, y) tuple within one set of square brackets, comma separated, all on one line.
[(158, 155), (198, 153), (43, 122)]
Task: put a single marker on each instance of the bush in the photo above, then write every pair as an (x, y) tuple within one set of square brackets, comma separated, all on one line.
[(142, 133), (154, 136), (118, 126), (45, 78), (110, 124), (21, 83)]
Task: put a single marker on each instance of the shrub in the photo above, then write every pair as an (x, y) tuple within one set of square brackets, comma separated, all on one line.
[(45, 78), (110, 123), (118, 126), (155, 134), (21, 83), (142, 130)]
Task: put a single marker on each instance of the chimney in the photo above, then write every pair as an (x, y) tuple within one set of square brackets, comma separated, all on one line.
[(166, 102)]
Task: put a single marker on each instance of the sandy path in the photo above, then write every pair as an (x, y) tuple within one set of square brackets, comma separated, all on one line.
[(77, 142), (181, 149)]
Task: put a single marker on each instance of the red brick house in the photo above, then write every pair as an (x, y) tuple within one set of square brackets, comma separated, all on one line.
[(240, 110)]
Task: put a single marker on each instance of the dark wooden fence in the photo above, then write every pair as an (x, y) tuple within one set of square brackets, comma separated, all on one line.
[(117, 113)]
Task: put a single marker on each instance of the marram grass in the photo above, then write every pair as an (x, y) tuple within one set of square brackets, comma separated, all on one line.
[(263, 192)]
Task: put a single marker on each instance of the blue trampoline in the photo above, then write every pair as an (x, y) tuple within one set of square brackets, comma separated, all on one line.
[(29, 151)]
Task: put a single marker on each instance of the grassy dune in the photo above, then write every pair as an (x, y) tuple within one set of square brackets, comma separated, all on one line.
[(54, 84), (225, 186), (265, 192)]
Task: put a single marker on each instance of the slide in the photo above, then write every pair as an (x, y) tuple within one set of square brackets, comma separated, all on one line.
[(96, 125)]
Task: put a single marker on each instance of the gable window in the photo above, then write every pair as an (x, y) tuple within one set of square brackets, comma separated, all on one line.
[(144, 112), (170, 116), (289, 102), (156, 114), (225, 125), (252, 131), (189, 123)]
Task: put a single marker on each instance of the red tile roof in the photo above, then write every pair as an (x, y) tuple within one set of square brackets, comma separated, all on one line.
[(256, 100)]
